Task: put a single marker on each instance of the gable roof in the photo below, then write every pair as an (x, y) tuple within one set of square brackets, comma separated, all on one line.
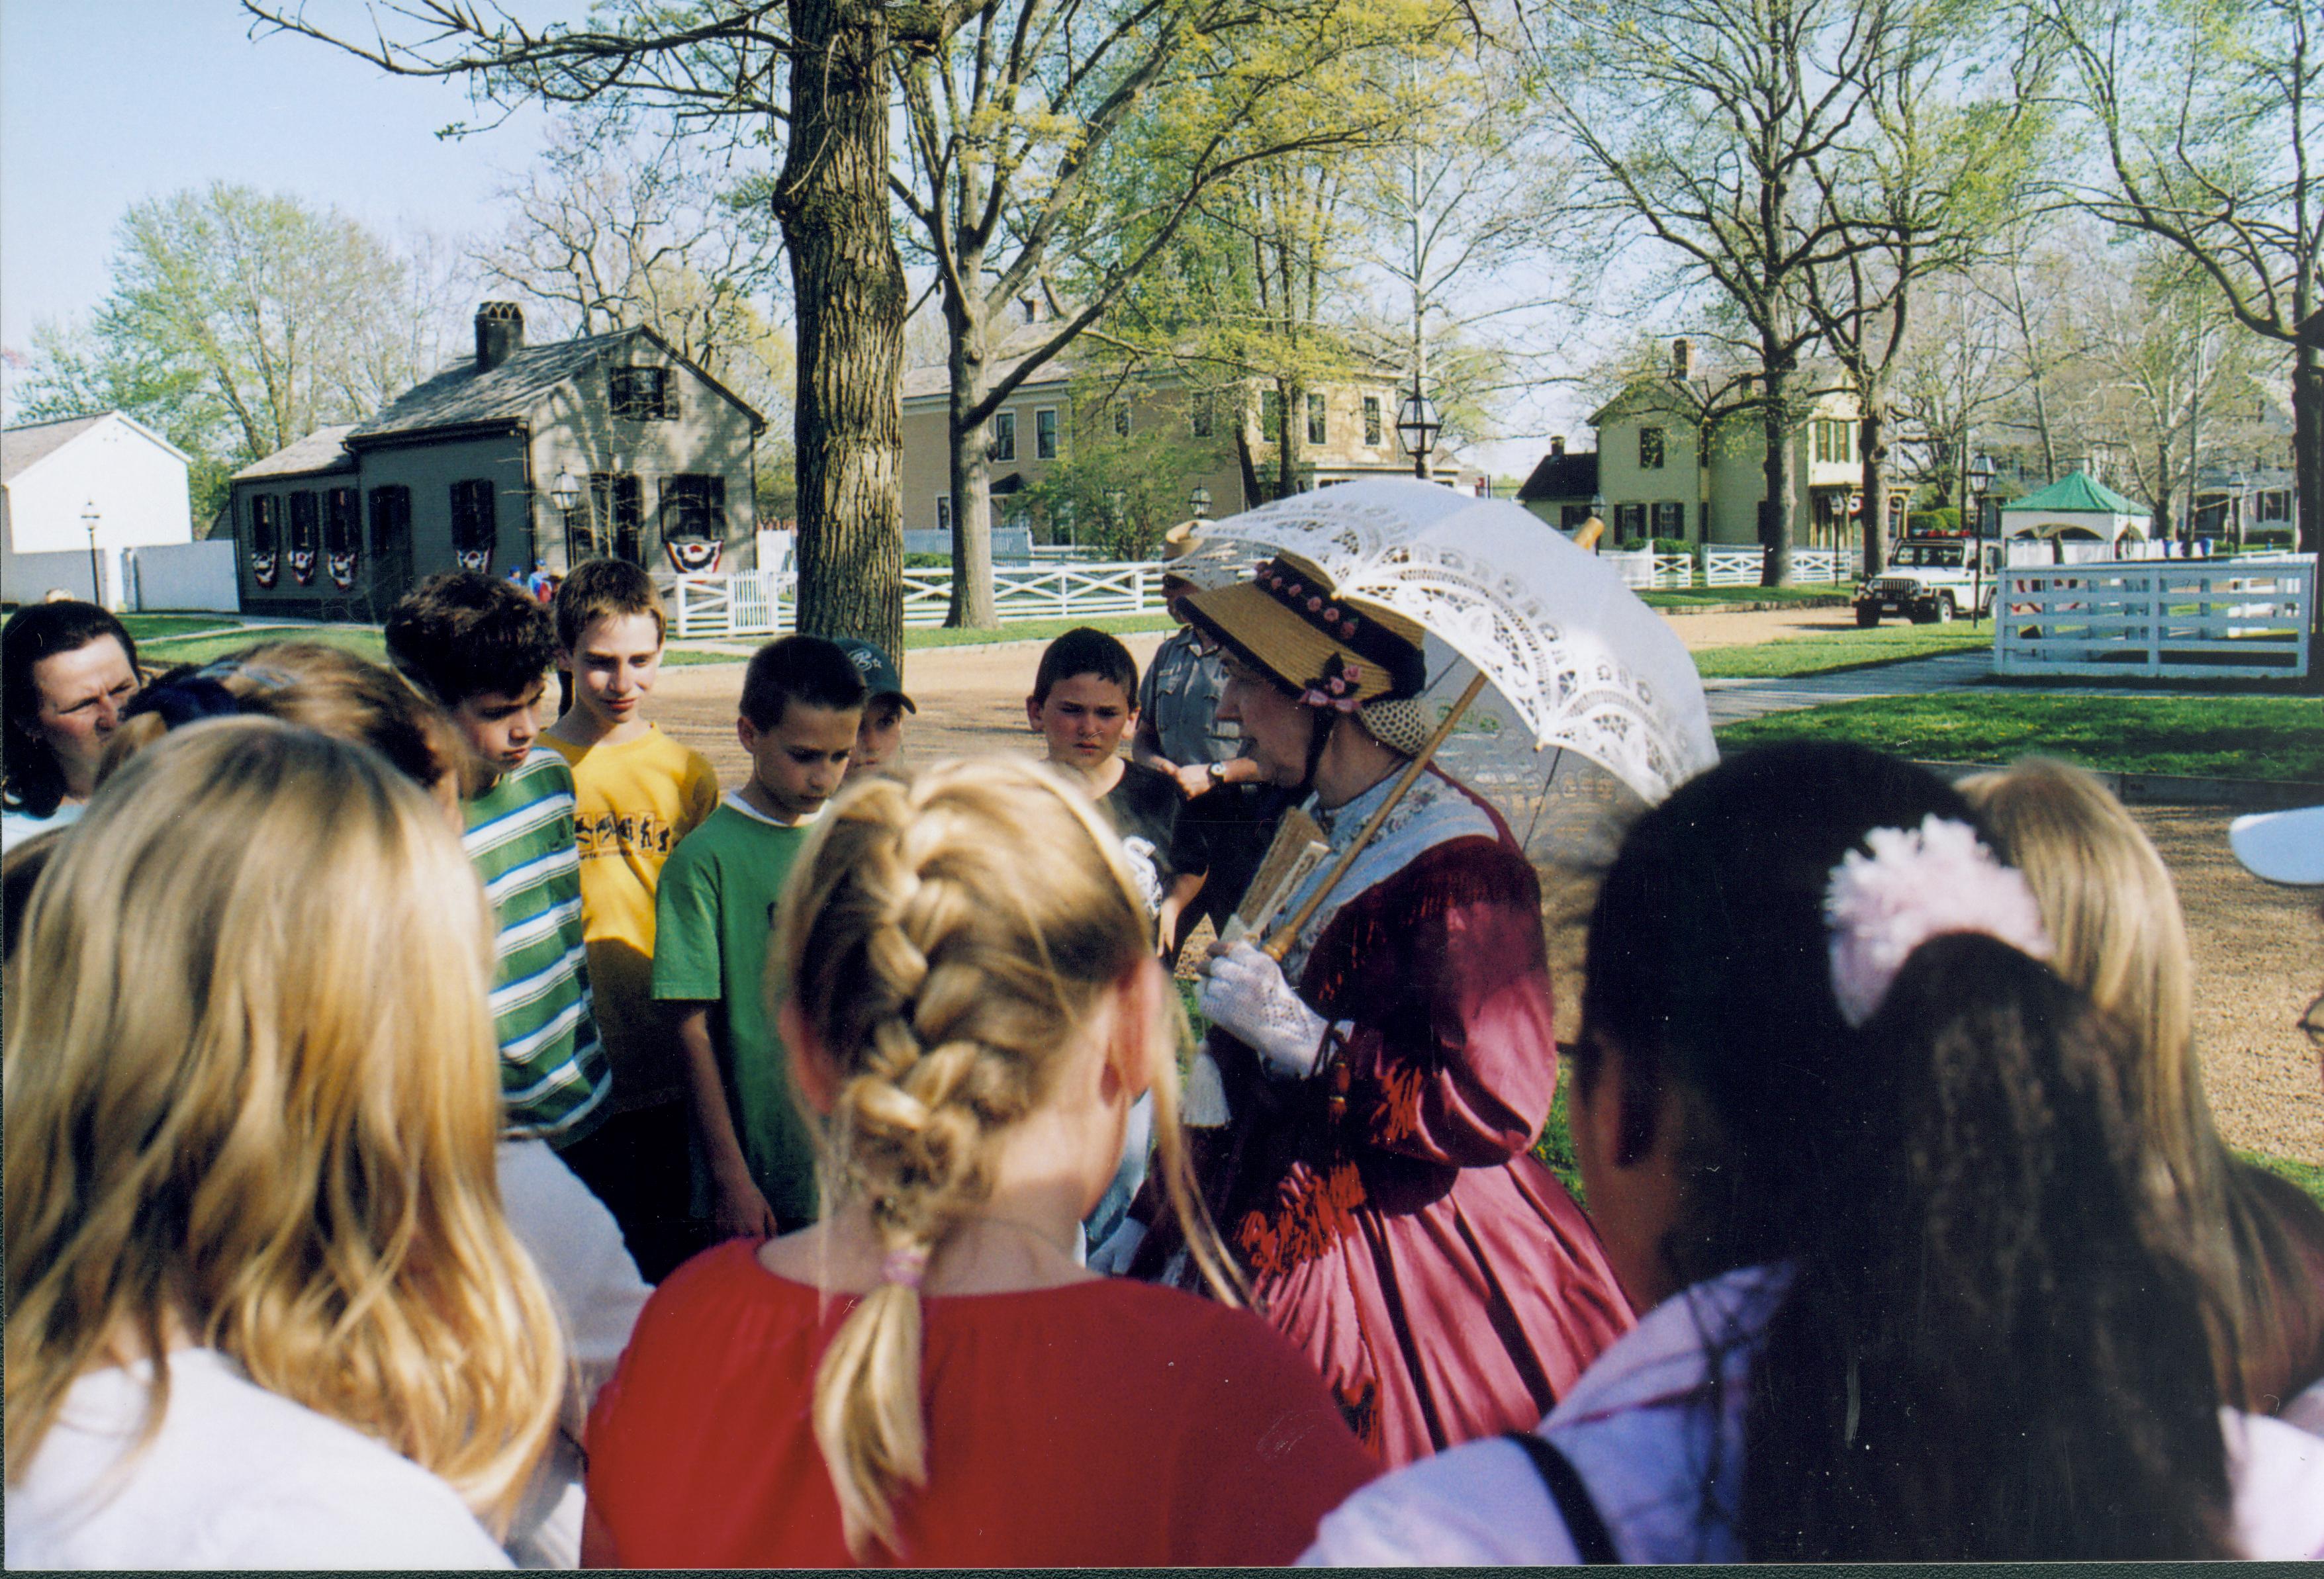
[(323, 450), (461, 396), (1572, 475), (1666, 394), (28, 444), (2076, 492)]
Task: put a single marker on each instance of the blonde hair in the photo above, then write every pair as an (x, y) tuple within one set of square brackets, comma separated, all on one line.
[(251, 1101), (327, 689), (2113, 915), (945, 973)]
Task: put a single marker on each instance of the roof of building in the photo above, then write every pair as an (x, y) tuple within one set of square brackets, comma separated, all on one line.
[(460, 396), (323, 450), (1572, 475), (936, 378), (28, 444), (2077, 492)]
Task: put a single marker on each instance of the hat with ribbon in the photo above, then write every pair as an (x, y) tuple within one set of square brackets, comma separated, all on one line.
[(1288, 621)]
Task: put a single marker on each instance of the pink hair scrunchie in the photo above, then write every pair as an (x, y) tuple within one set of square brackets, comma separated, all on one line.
[(1919, 884)]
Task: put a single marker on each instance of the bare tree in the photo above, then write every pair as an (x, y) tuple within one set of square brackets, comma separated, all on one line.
[(1921, 190), (812, 76), (1701, 124), (2211, 124), (1014, 124)]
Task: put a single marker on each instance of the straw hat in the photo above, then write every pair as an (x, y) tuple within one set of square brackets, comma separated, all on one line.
[(1287, 621)]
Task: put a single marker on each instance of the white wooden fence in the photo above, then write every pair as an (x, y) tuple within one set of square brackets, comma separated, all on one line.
[(762, 603), (1727, 567), (2168, 618)]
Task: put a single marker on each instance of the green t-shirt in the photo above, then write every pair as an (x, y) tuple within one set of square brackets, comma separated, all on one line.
[(715, 915)]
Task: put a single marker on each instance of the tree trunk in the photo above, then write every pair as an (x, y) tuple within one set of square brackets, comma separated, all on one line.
[(972, 607), (2308, 479), (848, 282), (1776, 509), (1247, 465), (1872, 443), (1287, 464)]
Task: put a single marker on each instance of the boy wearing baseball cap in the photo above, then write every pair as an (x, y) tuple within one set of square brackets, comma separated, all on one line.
[(879, 737)]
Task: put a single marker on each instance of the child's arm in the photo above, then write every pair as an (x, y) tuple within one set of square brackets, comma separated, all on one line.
[(738, 1210), (1182, 889)]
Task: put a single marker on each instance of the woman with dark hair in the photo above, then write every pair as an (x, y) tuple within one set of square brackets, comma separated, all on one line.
[(1918, 1290), (67, 669)]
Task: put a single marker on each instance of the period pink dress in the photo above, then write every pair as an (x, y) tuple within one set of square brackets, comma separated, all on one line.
[(1392, 1224)]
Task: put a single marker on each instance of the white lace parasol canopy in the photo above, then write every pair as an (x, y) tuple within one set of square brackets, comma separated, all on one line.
[(1571, 650)]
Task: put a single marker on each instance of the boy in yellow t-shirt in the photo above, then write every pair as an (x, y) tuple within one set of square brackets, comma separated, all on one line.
[(637, 793)]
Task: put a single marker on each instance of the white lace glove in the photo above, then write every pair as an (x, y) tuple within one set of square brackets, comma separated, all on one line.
[(1246, 994), (1112, 1258)]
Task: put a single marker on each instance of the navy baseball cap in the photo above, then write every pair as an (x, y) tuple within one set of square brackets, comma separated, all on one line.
[(878, 669)]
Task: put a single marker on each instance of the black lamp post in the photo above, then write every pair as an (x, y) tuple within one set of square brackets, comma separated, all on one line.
[(1980, 482), (90, 517), (1199, 501), (566, 492), (1417, 423)]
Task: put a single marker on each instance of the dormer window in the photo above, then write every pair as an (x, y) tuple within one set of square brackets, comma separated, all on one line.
[(642, 394)]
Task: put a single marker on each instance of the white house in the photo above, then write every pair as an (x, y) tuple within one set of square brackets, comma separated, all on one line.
[(59, 478)]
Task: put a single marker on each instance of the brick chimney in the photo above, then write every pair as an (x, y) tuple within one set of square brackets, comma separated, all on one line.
[(500, 332), (1557, 443), (1682, 360)]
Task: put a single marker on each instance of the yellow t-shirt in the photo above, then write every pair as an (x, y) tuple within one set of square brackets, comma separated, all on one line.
[(633, 803)]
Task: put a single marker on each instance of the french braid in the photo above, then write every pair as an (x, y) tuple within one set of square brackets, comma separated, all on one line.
[(943, 968)]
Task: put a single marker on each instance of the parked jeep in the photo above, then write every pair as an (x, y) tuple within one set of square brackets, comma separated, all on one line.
[(1931, 581)]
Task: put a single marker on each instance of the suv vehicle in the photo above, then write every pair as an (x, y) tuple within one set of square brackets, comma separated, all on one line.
[(1931, 580)]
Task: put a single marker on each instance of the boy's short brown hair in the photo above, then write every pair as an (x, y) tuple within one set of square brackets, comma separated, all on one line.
[(459, 634), (596, 588)]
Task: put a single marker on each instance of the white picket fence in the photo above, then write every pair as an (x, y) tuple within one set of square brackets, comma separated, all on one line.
[(1727, 567), (2166, 618), (762, 602)]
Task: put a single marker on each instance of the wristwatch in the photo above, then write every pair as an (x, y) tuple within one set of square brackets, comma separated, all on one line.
[(1218, 773)]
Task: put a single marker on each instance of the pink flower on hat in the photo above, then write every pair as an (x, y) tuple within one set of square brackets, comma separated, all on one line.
[(1313, 604)]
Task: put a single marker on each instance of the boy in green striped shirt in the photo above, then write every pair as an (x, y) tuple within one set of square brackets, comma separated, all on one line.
[(482, 649)]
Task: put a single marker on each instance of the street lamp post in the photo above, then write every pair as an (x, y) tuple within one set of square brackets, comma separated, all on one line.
[(1417, 423), (566, 492), (1199, 501), (89, 519), (1980, 482)]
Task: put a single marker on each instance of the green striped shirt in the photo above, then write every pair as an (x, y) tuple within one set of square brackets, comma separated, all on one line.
[(553, 1077)]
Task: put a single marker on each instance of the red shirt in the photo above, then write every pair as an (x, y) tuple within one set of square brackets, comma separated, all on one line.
[(1103, 1423)]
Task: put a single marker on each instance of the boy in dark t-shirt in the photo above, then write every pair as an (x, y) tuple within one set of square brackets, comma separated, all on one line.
[(1082, 706)]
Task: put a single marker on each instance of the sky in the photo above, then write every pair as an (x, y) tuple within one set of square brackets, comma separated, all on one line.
[(104, 103)]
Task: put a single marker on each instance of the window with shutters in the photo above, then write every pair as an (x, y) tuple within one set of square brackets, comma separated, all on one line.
[(693, 505), (342, 525), (1629, 520), (266, 524), (642, 394), (304, 533), (617, 501), (1650, 449), (1670, 519), (1372, 428), (473, 523)]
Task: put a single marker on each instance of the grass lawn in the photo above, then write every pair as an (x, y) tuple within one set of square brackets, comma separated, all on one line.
[(1845, 649), (2223, 737), (143, 627), (2308, 1176), (1680, 600), (356, 638), (1037, 630)]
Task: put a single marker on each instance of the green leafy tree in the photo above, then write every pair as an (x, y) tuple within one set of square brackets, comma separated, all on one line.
[(237, 322)]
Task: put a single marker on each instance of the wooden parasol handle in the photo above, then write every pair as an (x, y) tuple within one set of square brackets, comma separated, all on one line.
[(1287, 934)]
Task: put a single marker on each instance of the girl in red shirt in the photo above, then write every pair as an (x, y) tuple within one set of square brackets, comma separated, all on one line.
[(928, 1376)]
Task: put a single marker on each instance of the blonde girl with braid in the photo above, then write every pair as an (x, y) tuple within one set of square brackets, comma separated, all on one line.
[(262, 1307), (970, 993)]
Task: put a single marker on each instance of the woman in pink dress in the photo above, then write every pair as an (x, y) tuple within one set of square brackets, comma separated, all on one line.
[(1372, 1103)]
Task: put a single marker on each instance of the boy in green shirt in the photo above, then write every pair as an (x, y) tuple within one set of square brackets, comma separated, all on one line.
[(753, 1158)]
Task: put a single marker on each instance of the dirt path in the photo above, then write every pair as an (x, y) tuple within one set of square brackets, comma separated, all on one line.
[(2259, 950)]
